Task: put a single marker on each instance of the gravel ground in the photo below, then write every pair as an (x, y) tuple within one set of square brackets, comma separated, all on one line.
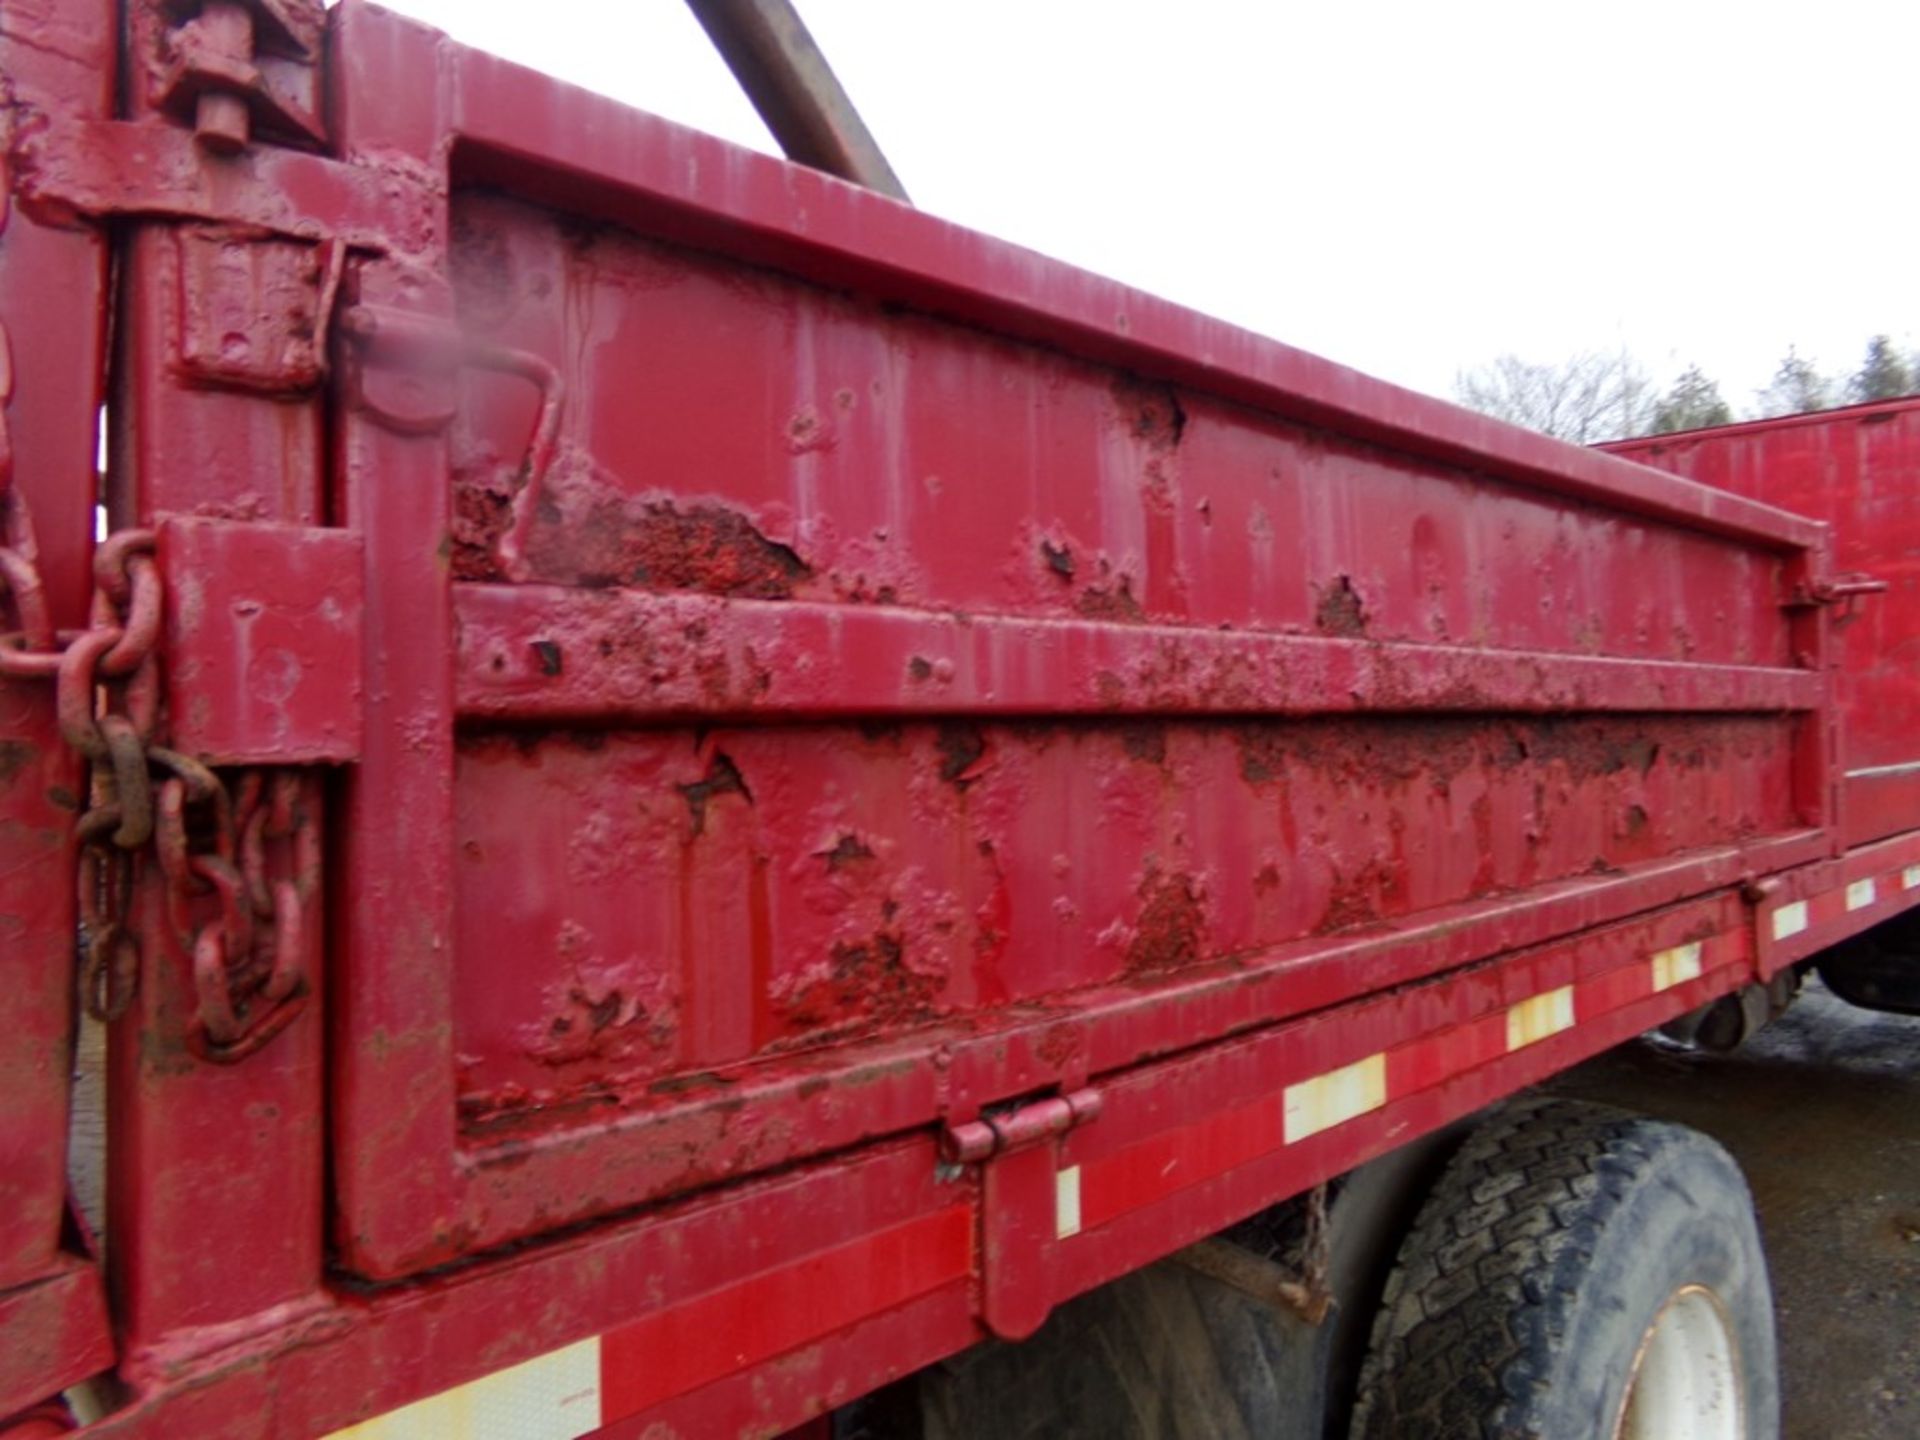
[(1822, 1109)]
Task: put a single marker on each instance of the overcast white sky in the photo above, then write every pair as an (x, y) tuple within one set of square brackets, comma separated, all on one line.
[(1405, 187)]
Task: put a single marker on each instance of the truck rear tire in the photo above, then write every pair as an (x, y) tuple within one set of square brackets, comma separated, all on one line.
[(1578, 1272)]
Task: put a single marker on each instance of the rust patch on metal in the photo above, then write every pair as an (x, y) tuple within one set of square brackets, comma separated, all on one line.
[(1145, 741), (1172, 923), (868, 982), (1059, 559), (482, 514), (1152, 412), (962, 749), (844, 851), (589, 532), (1059, 1045), (1340, 611), (710, 549), (722, 778), (1366, 897), (599, 1025), (1110, 602), (1588, 749), (15, 756)]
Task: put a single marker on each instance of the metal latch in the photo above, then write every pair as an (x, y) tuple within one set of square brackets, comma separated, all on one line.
[(1028, 1204), (1810, 595)]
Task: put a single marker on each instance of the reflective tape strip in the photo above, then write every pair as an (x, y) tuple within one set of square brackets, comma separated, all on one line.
[(1334, 1098), (1676, 966), (1158, 1166), (1861, 894), (1789, 919), (1066, 1203), (1533, 1020), (555, 1396), (575, 1391), (1910, 877)]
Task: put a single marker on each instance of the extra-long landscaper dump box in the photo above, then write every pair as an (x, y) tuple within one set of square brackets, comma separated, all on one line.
[(799, 785)]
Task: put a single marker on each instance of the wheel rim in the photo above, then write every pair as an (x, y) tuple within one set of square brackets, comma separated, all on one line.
[(1685, 1380)]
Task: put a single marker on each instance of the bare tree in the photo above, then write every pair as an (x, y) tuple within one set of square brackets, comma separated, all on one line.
[(1589, 397)]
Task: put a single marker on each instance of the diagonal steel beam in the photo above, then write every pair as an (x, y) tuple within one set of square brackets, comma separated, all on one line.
[(777, 63)]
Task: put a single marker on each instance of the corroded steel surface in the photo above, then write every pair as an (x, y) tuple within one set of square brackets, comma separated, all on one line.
[(781, 710)]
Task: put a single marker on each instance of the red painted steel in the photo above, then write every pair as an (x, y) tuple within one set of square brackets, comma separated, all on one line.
[(58, 63), (263, 630), (758, 480), (783, 710), (191, 1143), (1854, 469)]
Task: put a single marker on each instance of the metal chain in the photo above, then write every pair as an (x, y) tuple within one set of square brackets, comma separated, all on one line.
[(249, 970), (248, 959)]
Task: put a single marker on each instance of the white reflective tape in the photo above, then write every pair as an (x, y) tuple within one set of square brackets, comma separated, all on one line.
[(1066, 1202), (1334, 1098), (1860, 894), (555, 1396), (1533, 1020), (1789, 919), (1910, 877), (1675, 966)]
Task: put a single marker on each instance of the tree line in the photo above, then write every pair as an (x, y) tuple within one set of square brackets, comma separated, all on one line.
[(1605, 395)]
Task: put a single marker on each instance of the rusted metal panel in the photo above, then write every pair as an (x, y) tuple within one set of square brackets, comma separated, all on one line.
[(552, 653), (830, 700), (263, 641), (1859, 470), (839, 679)]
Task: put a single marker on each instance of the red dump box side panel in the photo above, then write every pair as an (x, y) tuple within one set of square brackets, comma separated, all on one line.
[(1858, 469), (843, 782), (900, 674)]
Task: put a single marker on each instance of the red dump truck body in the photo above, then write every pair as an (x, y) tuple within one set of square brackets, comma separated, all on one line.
[(1855, 470), (799, 784)]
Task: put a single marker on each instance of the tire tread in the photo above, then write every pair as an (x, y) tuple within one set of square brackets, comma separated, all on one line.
[(1464, 1334)]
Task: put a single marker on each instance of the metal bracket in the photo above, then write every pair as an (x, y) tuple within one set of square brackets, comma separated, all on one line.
[(219, 70), (263, 641), (1028, 1204), (74, 171), (254, 313)]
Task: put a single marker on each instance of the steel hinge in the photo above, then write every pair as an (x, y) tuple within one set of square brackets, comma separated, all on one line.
[(1018, 1127), (1029, 1203)]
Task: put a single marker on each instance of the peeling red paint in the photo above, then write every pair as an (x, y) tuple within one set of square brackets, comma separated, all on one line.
[(931, 680)]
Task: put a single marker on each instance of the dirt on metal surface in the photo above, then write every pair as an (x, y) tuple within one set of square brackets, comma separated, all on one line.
[(1823, 1112)]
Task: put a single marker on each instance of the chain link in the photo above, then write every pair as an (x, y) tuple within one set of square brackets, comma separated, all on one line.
[(248, 955)]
